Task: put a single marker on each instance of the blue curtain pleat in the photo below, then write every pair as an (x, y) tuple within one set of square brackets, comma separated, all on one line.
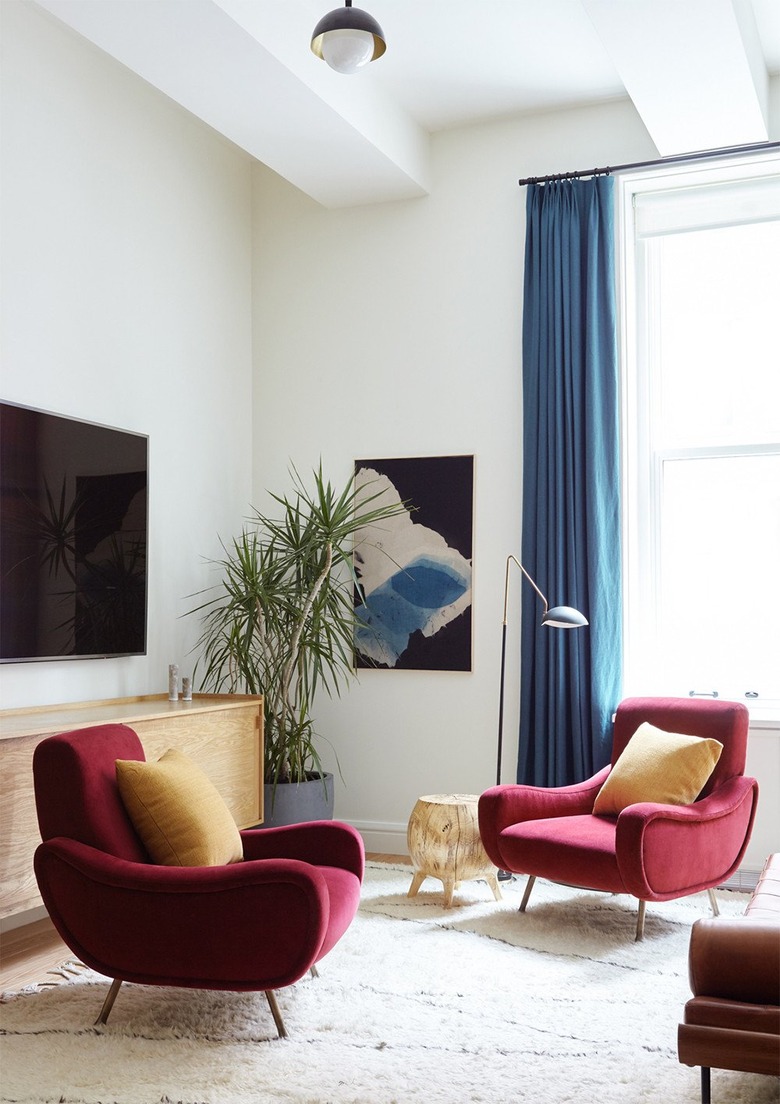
[(570, 679)]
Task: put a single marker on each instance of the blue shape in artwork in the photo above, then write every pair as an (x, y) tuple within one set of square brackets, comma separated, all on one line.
[(429, 584), (404, 604), (385, 618)]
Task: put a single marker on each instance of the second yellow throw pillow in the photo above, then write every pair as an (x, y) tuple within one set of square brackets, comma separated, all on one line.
[(665, 767)]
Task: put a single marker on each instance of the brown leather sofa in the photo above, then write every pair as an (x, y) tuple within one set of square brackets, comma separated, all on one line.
[(733, 1019)]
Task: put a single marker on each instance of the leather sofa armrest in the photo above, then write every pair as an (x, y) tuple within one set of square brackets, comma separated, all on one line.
[(724, 1048), (736, 959)]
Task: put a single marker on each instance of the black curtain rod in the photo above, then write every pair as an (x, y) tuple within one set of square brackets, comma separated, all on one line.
[(701, 155)]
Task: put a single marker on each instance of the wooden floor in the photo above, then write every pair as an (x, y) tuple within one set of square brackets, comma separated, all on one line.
[(28, 953)]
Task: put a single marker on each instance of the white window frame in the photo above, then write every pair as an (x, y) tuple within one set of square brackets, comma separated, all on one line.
[(642, 481)]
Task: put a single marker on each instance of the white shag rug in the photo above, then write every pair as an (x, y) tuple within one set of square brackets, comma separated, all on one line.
[(418, 1004)]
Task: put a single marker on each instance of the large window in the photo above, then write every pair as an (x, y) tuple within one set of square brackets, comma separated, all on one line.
[(701, 349)]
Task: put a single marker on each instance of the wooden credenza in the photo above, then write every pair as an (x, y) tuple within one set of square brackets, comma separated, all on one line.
[(223, 733)]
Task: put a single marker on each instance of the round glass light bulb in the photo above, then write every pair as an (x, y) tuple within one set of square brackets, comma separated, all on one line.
[(347, 50)]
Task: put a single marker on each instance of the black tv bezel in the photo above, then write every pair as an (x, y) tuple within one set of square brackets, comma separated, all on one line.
[(100, 654)]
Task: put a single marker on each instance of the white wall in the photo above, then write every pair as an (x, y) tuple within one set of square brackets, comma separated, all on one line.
[(126, 300), (395, 331)]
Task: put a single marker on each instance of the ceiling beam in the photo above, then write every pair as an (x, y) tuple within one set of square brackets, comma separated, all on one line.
[(207, 56), (694, 69)]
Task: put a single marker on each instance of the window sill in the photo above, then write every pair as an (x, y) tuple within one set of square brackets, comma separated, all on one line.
[(765, 717)]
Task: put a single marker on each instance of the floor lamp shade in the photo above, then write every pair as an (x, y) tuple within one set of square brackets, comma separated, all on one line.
[(558, 617)]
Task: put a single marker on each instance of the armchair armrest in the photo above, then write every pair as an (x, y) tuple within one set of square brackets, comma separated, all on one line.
[(501, 806), (662, 848), (322, 843), (246, 926)]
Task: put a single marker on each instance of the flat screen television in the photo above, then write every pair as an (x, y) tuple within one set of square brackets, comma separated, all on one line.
[(73, 538)]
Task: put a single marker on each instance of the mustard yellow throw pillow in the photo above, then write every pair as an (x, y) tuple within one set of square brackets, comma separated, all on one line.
[(178, 812), (665, 767)]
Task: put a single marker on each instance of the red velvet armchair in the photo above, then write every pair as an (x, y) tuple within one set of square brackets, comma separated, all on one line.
[(655, 852), (260, 924)]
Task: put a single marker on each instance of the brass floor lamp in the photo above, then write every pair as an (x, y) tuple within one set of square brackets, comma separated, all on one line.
[(559, 617)]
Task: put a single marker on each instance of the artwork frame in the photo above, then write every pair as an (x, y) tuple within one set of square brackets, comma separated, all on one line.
[(414, 606)]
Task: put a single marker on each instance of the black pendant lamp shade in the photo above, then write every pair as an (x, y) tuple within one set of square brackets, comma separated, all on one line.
[(348, 38)]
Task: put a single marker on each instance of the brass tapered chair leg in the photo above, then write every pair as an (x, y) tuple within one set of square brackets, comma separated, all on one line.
[(529, 885), (640, 922), (270, 996), (713, 902), (108, 1003), (314, 971)]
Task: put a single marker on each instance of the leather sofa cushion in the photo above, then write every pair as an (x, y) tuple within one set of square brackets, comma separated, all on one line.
[(712, 1012)]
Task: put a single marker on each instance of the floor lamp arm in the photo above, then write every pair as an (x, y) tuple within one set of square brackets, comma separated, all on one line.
[(509, 561)]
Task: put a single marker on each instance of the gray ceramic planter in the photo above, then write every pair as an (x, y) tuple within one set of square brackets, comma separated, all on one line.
[(293, 803)]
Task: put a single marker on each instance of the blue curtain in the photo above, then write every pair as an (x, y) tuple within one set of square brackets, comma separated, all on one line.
[(570, 678)]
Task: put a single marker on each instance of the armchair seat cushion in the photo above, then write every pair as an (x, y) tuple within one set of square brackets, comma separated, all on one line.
[(563, 848)]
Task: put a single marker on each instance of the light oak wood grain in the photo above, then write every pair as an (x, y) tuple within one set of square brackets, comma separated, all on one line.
[(223, 733)]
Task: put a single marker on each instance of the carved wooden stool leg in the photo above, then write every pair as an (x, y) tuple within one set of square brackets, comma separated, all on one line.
[(417, 881), (492, 881)]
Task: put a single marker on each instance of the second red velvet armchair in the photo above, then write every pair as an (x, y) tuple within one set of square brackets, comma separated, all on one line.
[(653, 851)]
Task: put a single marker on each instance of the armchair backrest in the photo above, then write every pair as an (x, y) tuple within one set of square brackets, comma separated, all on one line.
[(76, 794), (725, 721)]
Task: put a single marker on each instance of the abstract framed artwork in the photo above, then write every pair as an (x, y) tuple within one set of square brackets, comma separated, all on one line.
[(413, 608)]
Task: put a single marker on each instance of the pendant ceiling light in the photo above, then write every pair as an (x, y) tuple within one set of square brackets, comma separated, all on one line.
[(348, 38)]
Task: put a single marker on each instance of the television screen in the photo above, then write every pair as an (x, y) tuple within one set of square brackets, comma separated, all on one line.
[(73, 538)]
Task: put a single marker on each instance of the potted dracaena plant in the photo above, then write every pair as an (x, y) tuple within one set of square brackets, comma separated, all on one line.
[(280, 623)]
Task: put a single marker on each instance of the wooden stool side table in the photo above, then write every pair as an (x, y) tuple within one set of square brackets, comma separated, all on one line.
[(444, 843)]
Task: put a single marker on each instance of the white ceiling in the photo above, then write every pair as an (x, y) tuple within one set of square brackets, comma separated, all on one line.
[(696, 70)]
